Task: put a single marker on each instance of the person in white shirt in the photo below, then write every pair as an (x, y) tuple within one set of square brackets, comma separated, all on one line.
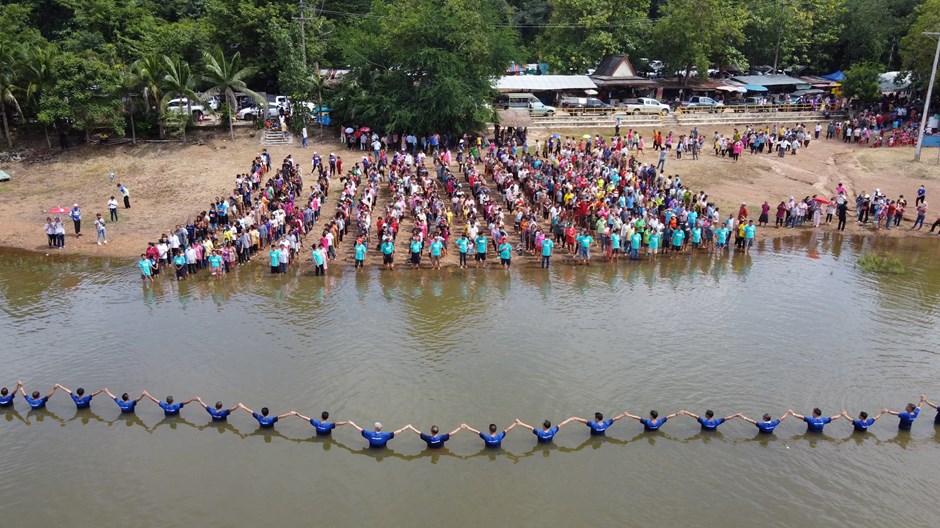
[(113, 207), (303, 134)]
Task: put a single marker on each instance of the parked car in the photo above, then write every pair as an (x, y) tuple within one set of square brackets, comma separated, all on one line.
[(751, 104), (526, 101), (580, 105), (645, 105), (253, 112), (703, 102), (181, 105)]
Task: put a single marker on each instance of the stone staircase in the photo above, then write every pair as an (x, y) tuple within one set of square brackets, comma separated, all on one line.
[(272, 138)]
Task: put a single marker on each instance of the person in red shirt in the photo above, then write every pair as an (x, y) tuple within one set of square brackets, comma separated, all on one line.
[(154, 255)]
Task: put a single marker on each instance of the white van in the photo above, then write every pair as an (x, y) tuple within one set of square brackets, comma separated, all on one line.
[(525, 101)]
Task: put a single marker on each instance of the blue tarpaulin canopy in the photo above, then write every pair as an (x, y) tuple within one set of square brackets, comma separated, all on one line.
[(837, 76), (755, 88)]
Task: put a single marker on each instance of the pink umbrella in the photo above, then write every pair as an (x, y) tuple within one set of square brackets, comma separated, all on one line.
[(821, 200), (58, 210), (365, 129)]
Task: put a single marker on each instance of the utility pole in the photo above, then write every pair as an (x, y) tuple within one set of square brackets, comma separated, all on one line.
[(923, 118)]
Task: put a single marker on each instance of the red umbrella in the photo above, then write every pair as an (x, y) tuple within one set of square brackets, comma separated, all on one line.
[(365, 129), (821, 200), (58, 210)]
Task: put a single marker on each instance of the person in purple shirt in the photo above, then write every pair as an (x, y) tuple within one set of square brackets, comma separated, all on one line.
[(654, 422), (435, 440), (816, 422), (906, 418)]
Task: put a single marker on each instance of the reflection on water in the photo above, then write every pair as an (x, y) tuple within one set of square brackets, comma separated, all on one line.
[(793, 325)]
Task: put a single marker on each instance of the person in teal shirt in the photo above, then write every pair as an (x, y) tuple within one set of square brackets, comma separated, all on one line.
[(463, 244), (416, 246), (749, 231), (547, 246), (721, 238), (215, 263), (584, 247), (179, 261), (614, 245), (360, 253), (275, 256), (480, 256), (437, 247), (318, 261), (635, 240), (696, 237), (677, 237), (505, 253), (388, 253), (653, 245), (146, 269)]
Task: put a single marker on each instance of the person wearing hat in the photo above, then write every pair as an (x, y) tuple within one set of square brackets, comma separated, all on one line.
[(360, 253), (76, 215)]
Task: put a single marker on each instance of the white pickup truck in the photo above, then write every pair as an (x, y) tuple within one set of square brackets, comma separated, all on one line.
[(645, 105)]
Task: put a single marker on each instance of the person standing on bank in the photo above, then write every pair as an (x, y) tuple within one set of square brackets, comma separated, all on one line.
[(112, 208), (76, 215), (126, 194)]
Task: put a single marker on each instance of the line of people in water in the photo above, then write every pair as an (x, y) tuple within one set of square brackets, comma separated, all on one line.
[(378, 437)]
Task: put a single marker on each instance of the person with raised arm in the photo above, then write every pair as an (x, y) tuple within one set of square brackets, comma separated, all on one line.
[(767, 425), (126, 404), (265, 421), (906, 418), (936, 420), (493, 438), (6, 397), (37, 400), (82, 400), (816, 422), (218, 413), (435, 440), (547, 432), (709, 422), (863, 422), (377, 438), (654, 422), (169, 407), (323, 426), (599, 425)]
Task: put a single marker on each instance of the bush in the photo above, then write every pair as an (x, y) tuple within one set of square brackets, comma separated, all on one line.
[(880, 263)]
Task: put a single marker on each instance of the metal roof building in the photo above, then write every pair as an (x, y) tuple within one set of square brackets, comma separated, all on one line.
[(544, 83), (770, 80)]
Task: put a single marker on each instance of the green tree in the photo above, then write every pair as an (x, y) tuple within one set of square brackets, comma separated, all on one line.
[(129, 88), (151, 70), (789, 32), (179, 82), (227, 76), (85, 92), (698, 33), (582, 32), (8, 88), (416, 70), (37, 66), (917, 49), (861, 82)]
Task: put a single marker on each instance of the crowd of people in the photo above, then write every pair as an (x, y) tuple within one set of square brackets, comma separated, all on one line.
[(55, 229), (492, 437)]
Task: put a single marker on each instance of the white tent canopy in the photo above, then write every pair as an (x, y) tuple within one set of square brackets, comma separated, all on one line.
[(544, 83)]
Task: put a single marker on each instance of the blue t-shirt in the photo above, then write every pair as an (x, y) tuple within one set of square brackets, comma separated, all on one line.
[(215, 261), (218, 415), (749, 231), (323, 428), (6, 401), (435, 441), (547, 246), (360, 251), (481, 244), (494, 440), (265, 421), (126, 406), (377, 439), (388, 248), (317, 257), (81, 402), (171, 409), (505, 250), (586, 241), (652, 425), (436, 248), (815, 425), (635, 240), (767, 427), (710, 425), (721, 234), (598, 428), (907, 419), (275, 256), (146, 267), (546, 436), (677, 237), (862, 425), (462, 244), (416, 246), (696, 234), (615, 240), (37, 403)]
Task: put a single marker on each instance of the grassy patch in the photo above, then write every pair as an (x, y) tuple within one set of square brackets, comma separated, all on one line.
[(880, 263)]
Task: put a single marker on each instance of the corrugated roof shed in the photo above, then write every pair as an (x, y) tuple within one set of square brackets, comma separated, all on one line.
[(768, 80), (544, 83)]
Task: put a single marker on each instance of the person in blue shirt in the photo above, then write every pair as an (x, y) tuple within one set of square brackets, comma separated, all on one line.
[(599, 425), (146, 269), (323, 426), (388, 253), (654, 422), (749, 232), (709, 422), (505, 253), (492, 439), (218, 413), (436, 440), (360, 253), (906, 418), (126, 404), (546, 433), (677, 237), (264, 420), (378, 438), (547, 245), (766, 426), (416, 246), (936, 419), (463, 245), (437, 249), (37, 400), (863, 422), (636, 240), (82, 400), (169, 407), (816, 422), (480, 243), (6, 397), (275, 257)]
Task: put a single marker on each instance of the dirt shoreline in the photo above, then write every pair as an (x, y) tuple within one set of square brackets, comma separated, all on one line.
[(170, 183)]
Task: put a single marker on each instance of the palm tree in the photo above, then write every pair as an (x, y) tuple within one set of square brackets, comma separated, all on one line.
[(226, 76), (38, 64), (151, 70), (8, 88), (179, 82), (129, 88)]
